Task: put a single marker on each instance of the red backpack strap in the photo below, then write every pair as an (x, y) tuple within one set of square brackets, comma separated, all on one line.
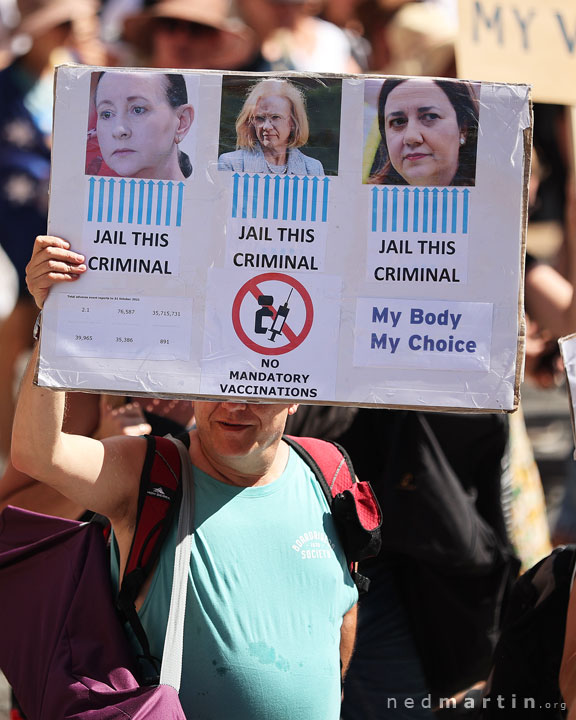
[(353, 504), (158, 502), (159, 498), (330, 462)]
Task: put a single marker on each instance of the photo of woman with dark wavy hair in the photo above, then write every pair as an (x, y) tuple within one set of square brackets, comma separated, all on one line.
[(429, 132)]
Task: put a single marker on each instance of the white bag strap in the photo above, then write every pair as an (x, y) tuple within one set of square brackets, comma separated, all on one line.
[(171, 671)]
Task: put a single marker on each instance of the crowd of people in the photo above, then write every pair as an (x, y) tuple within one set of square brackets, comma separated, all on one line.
[(406, 659)]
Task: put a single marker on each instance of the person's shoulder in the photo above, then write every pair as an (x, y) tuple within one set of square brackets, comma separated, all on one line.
[(232, 160), (232, 155), (126, 451), (311, 165)]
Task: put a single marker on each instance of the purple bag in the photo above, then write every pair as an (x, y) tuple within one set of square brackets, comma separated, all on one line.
[(63, 648)]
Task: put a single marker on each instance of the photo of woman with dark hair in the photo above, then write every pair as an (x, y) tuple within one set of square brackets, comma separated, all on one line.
[(141, 119), (429, 131)]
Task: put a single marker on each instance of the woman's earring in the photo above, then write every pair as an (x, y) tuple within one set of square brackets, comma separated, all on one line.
[(462, 140)]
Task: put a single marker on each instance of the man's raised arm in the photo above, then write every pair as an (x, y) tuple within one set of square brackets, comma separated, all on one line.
[(100, 475)]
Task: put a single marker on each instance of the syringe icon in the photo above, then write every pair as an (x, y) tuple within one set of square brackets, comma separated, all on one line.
[(280, 319)]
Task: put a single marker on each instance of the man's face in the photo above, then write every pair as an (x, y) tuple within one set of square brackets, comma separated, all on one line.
[(234, 430)]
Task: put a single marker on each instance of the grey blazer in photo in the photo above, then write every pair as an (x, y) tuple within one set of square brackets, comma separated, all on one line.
[(253, 161)]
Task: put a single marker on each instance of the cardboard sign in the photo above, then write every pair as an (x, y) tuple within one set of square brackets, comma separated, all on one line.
[(568, 352), (520, 41), (282, 238)]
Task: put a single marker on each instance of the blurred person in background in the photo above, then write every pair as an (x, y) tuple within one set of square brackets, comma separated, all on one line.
[(549, 284), (344, 14), (46, 31), (420, 38), (41, 34), (408, 37), (294, 38), (189, 34)]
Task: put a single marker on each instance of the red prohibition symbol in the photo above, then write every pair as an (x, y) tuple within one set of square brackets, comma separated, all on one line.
[(294, 339)]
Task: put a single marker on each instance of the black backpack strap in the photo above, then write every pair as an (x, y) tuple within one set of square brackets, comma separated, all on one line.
[(353, 505), (158, 502)]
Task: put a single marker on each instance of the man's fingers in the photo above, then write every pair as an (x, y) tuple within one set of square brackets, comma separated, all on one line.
[(44, 241), (63, 267), (62, 277), (52, 268), (48, 247), (45, 280), (55, 254)]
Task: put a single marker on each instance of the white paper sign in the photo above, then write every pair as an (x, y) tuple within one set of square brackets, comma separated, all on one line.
[(291, 247), (429, 334), (319, 239), (268, 346), (568, 352), (419, 235), (104, 326)]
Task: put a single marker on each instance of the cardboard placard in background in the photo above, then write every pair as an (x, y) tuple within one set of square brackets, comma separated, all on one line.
[(520, 41)]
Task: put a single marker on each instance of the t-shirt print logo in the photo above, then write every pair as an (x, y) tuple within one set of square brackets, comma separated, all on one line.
[(314, 545)]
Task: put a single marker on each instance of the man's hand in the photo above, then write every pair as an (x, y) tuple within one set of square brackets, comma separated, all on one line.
[(52, 262)]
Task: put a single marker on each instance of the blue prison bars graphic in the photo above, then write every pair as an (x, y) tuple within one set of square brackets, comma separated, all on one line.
[(421, 210), (289, 197), (139, 202)]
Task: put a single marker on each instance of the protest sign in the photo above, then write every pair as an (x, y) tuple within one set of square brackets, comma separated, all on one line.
[(520, 41), (568, 352), (273, 239)]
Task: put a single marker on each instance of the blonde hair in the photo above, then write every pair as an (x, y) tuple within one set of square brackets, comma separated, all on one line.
[(245, 133)]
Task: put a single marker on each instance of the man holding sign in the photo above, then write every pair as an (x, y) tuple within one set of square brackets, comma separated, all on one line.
[(268, 624)]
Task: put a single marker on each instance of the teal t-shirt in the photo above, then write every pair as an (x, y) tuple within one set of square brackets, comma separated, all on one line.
[(269, 586)]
